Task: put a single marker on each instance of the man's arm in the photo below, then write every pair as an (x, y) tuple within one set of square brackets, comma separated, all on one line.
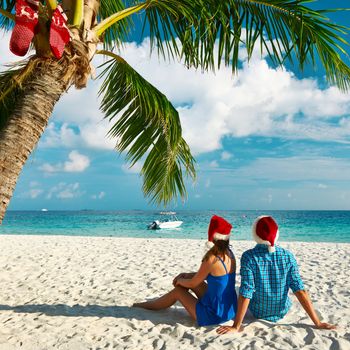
[(243, 304), (297, 286), (306, 303), (246, 292)]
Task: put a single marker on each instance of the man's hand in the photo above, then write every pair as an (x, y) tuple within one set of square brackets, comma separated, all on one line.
[(228, 329), (306, 303), (324, 325)]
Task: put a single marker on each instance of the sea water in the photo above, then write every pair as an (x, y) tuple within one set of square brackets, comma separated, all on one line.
[(307, 226)]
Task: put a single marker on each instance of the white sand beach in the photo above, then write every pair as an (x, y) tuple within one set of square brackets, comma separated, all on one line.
[(76, 292)]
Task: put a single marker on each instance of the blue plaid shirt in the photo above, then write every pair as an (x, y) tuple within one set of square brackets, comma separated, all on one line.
[(265, 280)]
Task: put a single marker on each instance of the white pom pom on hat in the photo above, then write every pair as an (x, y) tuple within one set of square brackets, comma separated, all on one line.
[(219, 229)]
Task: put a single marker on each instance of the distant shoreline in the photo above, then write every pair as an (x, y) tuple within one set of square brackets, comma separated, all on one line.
[(179, 210), (294, 226)]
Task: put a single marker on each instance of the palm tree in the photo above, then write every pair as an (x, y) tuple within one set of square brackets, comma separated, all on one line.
[(203, 33)]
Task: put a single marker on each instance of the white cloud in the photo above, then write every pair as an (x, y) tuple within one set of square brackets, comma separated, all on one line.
[(65, 191), (214, 164), (50, 168), (226, 155), (322, 186), (207, 183), (88, 135), (259, 100), (295, 169), (76, 163), (34, 193), (136, 169), (98, 196), (269, 198), (60, 136)]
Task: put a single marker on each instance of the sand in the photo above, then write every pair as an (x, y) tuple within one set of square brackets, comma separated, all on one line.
[(76, 292)]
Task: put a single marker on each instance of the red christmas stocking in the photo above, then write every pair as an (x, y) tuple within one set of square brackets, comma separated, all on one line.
[(25, 23), (59, 33)]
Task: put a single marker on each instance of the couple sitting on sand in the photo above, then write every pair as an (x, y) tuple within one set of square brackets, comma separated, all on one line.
[(267, 273)]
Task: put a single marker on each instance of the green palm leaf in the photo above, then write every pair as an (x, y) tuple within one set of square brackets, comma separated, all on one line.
[(147, 126), (117, 33), (9, 91), (11, 82), (9, 6), (285, 28)]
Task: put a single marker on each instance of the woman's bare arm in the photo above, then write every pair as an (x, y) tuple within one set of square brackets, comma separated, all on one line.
[(185, 275), (199, 276)]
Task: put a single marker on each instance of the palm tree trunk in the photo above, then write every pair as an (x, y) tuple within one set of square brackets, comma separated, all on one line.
[(27, 123), (38, 98)]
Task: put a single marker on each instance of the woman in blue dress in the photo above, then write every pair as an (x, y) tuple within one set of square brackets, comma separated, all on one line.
[(215, 299)]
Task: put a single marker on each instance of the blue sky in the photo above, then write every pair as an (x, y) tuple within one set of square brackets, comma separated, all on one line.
[(265, 139)]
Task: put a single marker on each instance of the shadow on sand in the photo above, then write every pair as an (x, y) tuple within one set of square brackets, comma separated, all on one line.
[(169, 316)]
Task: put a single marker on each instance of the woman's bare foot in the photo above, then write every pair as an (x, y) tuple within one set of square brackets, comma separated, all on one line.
[(142, 305)]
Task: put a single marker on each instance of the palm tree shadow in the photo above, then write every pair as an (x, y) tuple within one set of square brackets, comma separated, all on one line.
[(170, 316)]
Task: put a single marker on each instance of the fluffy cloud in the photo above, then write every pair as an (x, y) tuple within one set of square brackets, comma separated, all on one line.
[(260, 100), (323, 186), (226, 155), (65, 191), (34, 193), (214, 164), (98, 196), (295, 169), (136, 169), (76, 163)]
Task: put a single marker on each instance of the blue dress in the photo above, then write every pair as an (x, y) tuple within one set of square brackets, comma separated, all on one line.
[(219, 303)]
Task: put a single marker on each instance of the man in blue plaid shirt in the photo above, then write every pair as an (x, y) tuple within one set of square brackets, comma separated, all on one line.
[(267, 273)]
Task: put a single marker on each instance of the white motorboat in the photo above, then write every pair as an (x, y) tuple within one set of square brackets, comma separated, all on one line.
[(172, 222)]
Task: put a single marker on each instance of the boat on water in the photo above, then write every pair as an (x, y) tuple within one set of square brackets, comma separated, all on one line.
[(44, 209), (171, 222)]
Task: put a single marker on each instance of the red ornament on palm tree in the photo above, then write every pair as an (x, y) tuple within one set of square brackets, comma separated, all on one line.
[(59, 33), (26, 22)]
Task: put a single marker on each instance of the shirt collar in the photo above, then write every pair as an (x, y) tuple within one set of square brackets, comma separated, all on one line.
[(261, 247)]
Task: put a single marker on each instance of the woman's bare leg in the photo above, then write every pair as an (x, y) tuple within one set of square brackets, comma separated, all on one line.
[(177, 294)]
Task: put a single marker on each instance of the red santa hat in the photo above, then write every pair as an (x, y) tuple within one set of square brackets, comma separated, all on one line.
[(219, 229), (265, 231)]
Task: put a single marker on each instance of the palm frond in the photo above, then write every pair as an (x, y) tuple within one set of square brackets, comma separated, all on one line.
[(8, 6), (117, 33), (286, 29), (11, 81), (51, 4), (78, 13), (146, 126)]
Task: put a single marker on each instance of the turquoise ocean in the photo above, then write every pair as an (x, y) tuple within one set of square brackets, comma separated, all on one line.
[(307, 226)]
